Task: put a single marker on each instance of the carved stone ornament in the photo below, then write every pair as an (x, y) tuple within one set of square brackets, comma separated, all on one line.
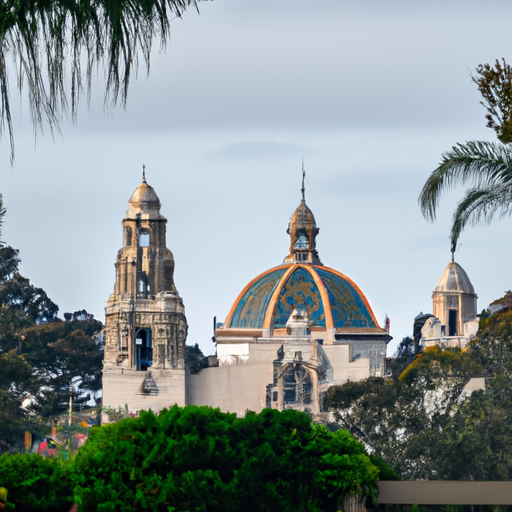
[(149, 386)]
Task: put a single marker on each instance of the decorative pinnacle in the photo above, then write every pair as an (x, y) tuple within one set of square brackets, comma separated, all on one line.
[(303, 189), (144, 174)]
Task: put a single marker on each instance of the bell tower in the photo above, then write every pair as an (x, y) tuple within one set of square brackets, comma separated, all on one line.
[(145, 323)]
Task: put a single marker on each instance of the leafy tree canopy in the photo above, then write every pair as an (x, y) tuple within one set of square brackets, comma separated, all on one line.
[(15, 379), (495, 86), (198, 458), (65, 357), (35, 484), (401, 419), (425, 424)]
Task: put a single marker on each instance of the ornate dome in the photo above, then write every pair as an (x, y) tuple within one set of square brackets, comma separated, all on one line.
[(455, 279), (331, 299)]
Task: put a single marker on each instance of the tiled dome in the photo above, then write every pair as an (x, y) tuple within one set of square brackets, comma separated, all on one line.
[(330, 298)]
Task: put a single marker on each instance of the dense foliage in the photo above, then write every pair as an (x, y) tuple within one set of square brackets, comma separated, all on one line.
[(197, 458), (36, 484), (425, 424)]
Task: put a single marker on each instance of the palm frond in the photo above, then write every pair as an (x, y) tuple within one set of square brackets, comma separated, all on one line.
[(479, 163), (44, 38), (480, 205)]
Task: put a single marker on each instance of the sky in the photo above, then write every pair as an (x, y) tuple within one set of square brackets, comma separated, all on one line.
[(369, 94)]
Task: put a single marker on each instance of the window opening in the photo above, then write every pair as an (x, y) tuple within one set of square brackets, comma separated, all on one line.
[(452, 322), (143, 349), (297, 385), (144, 240), (301, 243)]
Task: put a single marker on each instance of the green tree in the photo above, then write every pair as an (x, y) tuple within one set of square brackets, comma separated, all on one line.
[(425, 424), (198, 458), (485, 166), (401, 419), (40, 356), (45, 39), (15, 379), (66, 358), (491, 349), (477, 442), (36, 484)]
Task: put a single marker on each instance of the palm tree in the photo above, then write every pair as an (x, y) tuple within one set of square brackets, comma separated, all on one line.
[(47, 38), (485, 166)]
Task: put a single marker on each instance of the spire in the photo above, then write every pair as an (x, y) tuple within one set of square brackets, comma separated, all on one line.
[(303, 189), (144, 174)]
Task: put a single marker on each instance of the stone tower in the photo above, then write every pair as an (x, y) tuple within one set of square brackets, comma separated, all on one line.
[(454, 300), (145, 323)]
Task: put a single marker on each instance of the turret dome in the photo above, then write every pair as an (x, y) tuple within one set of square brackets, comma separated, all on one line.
[(455, 279), (144, 197), (144, 202)]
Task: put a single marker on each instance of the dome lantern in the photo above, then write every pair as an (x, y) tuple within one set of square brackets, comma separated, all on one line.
[(303, 231)]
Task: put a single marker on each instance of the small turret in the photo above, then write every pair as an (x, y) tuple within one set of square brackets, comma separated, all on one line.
[(454, 300)]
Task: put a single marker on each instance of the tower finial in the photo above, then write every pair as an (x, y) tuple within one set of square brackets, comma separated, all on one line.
[(453, 249), (144, 174), (303, 189)]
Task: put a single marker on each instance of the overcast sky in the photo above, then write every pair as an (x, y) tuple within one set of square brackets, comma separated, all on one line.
[(369, 93)]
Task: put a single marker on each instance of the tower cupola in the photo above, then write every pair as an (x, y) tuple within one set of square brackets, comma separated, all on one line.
[(303, 231), (454, 300)]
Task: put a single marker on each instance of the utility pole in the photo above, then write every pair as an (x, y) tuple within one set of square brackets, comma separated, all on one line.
[(70, 405)]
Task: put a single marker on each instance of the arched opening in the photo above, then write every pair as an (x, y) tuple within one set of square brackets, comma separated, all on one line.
[(143, 349), (452, 322), (144, 239), (297, 385)]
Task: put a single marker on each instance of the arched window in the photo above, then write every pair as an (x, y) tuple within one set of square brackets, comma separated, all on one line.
[(297, 385), (143, 349)]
